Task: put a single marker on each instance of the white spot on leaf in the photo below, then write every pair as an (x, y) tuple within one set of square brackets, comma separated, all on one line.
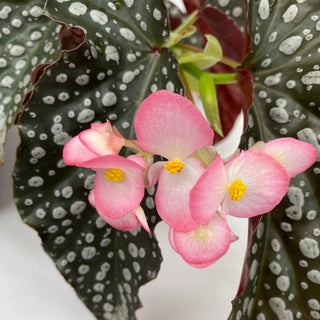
[(99, 17), (127, 34), (312, 77), (264, 9), (290, 45), (290, 13), (78, 8), (309, 248)]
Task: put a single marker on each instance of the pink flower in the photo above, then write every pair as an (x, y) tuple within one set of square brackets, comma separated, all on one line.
[(131, 221), (204, 245), (294, 155), (250, 184), (169, 125), (100, 140), (118, 185)]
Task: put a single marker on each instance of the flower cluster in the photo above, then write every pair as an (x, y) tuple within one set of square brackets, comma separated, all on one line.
[(196, 189)]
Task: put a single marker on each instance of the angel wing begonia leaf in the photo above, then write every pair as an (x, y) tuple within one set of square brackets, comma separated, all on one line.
[(283, 268), (118, 66), (27, 39)]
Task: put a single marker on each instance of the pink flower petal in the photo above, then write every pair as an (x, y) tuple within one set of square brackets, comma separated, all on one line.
[(113, 161), (169, 125), (105, 127), (172, 197), (170, 235), (296, 156), (138, 160), (208, 193), (234, 237), (116, 199), (101, 143), (140, 215), (154, 171), (74, 152), (205, 245), (91, 199), (128, 222), (266, 180)]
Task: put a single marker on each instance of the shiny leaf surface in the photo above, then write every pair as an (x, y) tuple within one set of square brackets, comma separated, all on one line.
[(106, 78), (283, 260)]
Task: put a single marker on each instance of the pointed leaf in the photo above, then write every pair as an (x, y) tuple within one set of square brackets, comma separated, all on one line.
[(106, 78), (283, 261), (27, 39), (208, 96)]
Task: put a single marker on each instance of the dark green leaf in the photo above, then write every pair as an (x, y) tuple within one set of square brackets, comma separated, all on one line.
[(284, 265), (27, 39), (106, 78)]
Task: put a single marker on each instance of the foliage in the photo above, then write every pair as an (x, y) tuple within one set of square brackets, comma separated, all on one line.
[(94, 60), (283, 266), (106, 78)]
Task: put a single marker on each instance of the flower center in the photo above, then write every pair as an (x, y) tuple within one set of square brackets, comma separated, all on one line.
[(114, 174), (201, 234), (237, 190), (174, 166)]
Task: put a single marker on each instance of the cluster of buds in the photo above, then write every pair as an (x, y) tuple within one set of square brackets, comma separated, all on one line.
[(196, 189)]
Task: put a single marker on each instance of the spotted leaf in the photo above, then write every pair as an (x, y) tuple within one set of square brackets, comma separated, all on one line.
[(106, 78), (283, 269), (27, 39)]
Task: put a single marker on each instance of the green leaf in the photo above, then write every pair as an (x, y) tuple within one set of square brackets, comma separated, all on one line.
[(208, 96), (27, 39), (106, 78), (176, 37), (211, 54), (283, 260)]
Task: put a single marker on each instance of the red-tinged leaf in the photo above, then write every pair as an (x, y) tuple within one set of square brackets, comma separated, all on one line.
[(230, 102), (192, 5), (71, 38), (230, 99), (174, 22), (37, 73), (224, 28), (244, 79), (247, 38)]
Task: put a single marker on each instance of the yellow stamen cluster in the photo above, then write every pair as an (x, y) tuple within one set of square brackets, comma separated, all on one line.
[(174, 166), (114, 174), (237, 190)]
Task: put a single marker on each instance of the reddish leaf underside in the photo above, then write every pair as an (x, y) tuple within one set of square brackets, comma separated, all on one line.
[(224, 28)]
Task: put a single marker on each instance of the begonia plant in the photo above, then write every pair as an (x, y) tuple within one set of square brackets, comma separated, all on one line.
[(119, 106)]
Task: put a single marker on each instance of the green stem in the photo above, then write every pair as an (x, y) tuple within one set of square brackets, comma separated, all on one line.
[(188, 48), (218, 78), (192, 69), (230, 62), (224, 78), (187, 23)]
